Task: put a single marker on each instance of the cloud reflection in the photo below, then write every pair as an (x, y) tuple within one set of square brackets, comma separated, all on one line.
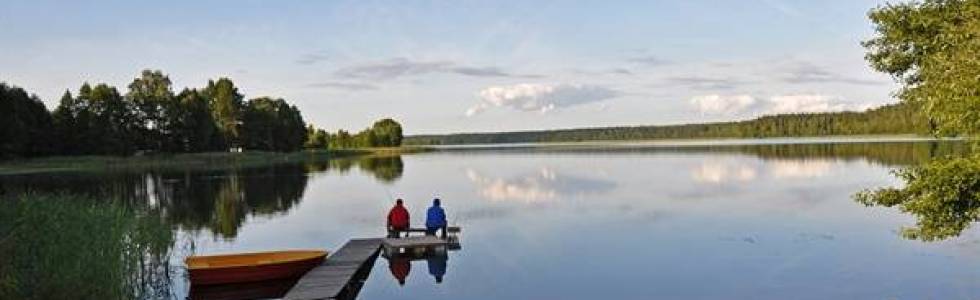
[(800, 168), (717, 172), (544, 185)]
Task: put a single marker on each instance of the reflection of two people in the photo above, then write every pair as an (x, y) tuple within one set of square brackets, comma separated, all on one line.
[(401, 265)]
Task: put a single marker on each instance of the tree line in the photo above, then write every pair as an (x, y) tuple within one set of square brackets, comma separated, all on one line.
[(902, 118), (150, 117)]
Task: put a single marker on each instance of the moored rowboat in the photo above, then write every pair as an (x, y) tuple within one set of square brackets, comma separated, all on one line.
[(251, 267)]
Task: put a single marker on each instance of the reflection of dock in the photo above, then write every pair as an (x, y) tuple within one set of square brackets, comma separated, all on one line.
[(418, 244), (341, 275)]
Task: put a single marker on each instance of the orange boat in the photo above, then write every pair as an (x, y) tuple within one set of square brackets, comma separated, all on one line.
[(251, 267)]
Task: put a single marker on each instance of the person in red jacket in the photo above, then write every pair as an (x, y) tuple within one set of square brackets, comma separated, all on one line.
[(398, 219)]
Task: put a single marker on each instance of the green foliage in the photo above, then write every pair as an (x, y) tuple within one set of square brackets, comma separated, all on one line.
[(149, 118), (192, 128), (383, 133), (114, 125), (272, 125), (387, 133), (154, 107), (943, 194), (226, 107), (72, 247), (931, 48), (25, 125), (315, 138), (889, 119)]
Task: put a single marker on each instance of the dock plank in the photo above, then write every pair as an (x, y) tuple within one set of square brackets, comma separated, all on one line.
[(338, 273)]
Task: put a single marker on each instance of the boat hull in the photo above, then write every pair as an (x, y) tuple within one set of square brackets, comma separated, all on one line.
[(259, 271)]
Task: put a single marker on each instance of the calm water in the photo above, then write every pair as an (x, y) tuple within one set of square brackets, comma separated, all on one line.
[(625, 222)]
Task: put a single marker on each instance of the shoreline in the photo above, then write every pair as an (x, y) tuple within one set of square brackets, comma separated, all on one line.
[(204, 160)]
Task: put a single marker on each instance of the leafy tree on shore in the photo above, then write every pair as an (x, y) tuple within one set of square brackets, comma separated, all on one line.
[(193, 126), (931, 48), (155, 108), (272, 125), (226, 107), (25, 125), (114, 125), (315, 138), (383, 133), (387, 133)]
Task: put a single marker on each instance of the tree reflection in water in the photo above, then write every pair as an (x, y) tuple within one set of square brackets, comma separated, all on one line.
[(57, 230), (943, 194)]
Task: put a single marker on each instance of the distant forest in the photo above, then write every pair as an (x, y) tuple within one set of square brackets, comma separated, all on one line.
[(151, 118), (902, 118)]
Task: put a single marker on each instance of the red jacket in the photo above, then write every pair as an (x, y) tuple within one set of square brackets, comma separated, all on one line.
[(398, 217)]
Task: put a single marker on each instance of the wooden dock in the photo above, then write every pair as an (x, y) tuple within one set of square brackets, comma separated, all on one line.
[(341, 275)]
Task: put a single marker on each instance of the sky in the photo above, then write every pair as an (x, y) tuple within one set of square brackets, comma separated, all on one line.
[(465, 66)]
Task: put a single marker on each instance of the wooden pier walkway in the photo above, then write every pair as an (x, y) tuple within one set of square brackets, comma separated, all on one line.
[(341, 275)]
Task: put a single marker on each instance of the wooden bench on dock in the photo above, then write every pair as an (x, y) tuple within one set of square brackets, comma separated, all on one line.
[(409, 231), (341, 275)]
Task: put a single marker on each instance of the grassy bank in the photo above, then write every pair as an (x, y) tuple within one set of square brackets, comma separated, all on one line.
[(212, 160)]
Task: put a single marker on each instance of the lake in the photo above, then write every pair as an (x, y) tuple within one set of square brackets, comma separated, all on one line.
[(686, 221)]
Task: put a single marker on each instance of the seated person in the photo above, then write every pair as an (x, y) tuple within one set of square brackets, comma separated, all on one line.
[(435, 219), (398, 219)]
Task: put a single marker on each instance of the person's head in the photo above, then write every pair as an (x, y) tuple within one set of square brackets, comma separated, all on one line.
[(401, 281), (435, 202), (398, 202)]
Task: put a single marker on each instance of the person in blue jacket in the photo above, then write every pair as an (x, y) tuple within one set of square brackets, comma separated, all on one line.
[(435, 219)]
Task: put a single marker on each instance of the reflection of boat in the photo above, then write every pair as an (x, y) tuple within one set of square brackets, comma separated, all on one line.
[(250, 267), (269, 289)]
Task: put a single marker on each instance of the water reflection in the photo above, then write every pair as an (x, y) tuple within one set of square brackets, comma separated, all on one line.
[(546, 184), (890, 153), (400, 264), (718, 171), (803, 168), (942, 194), (761, 220), (219, 201)]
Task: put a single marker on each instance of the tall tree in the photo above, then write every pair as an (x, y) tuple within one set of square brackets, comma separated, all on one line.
[(194, 128), (272, 125), (114, 125), (387, 133), (154, 106), (226, 107), (25, 124), (315, 138), (931, 48)]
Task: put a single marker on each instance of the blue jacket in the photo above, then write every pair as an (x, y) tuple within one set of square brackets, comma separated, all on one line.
[(435, 217)]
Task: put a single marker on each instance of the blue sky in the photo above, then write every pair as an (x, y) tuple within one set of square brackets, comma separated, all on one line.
[(461, 66)]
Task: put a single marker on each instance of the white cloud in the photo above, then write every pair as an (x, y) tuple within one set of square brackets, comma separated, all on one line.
[(777, 104), (539, 97), (718, 104)]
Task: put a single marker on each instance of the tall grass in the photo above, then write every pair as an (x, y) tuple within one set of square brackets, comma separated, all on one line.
[(60, 246)]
